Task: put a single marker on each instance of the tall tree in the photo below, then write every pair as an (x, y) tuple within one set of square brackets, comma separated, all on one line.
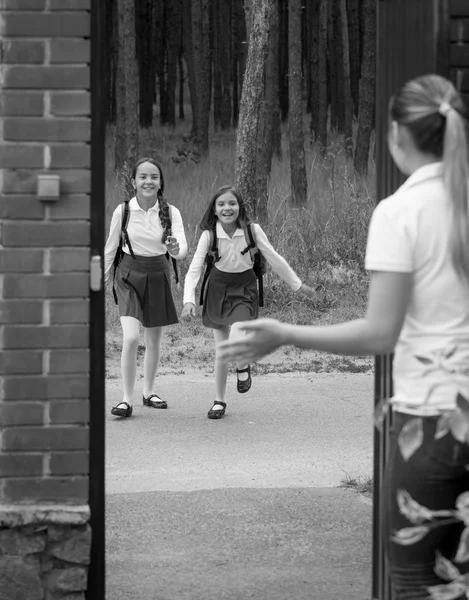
[(347, 91), (314, 58), (145, 37), (173, 41), (202, 72), (295, 101), (251, 98), (367, 88), (322, 76), (189, 57), (127, 97), (283, 58), (353, 17)]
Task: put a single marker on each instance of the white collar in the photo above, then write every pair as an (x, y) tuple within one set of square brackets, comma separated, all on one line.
[(422, 174), (221, 233), (134, 205)]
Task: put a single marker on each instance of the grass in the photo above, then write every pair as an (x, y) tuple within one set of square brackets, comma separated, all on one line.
[(324, 242), (362, 485)]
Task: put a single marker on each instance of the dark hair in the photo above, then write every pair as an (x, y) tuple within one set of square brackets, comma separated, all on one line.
[(209, 220), (432, 110), (163, 212)]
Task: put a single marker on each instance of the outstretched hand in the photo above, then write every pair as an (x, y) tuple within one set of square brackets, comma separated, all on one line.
[(266, 336), (188, 311)]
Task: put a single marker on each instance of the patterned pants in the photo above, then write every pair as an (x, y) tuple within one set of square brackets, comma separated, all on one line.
[(427, 514)]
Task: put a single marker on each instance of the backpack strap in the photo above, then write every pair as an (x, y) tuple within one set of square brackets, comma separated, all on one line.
[(123, 240), (169, 231), (255, 257), (211, 258)]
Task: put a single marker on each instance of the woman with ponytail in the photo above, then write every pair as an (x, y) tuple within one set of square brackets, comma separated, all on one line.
[(418, 308), (154, 232)]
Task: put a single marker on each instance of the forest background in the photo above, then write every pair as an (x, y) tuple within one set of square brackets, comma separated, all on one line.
[(275, 96)]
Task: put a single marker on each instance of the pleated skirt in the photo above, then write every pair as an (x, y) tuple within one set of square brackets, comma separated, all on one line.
[(230, 298), (143, 288)]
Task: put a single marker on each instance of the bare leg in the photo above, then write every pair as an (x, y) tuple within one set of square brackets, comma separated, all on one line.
[(221, 368), (130, 330), (152, 357), (234, 335)]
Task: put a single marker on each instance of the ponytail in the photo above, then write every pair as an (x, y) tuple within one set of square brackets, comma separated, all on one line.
[(164, 215), (456, 179)]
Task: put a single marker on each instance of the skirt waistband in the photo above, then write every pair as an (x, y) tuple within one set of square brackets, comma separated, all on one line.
[(144, 263), (227, 277)]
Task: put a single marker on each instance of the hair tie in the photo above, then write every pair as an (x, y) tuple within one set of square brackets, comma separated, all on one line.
[(444, 109)]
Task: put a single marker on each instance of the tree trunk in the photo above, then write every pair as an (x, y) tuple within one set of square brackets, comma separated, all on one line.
[(353, 15), (189, 56), (314, 59), (181, 81), (283, 59), (161, 49), (295, 102), (225, 56), (201, 52), (347, 92), (217, 34), (173, 36), (367, 88), (146, 55), (127, 122), (322, 76), (110, 65), (251, 98), (332, 64)]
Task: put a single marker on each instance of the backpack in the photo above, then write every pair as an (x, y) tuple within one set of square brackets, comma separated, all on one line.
[(124, 240), (259, 262)]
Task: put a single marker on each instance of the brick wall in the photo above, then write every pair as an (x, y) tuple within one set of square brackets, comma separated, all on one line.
[(459, 46), (44, 251)]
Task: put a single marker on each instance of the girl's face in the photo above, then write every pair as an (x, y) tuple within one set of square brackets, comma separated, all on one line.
[(147, 181), (227, 209)]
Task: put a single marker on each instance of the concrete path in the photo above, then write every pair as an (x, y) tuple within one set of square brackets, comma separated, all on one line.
[(243, 507)]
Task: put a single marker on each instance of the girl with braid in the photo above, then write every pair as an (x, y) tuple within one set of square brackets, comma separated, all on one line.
[(154, 233)]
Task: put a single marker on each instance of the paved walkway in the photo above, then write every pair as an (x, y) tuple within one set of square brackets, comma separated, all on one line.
[(247, 506)]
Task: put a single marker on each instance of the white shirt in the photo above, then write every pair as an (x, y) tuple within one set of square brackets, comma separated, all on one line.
[(232, 261), (145, 233), (410, 233)]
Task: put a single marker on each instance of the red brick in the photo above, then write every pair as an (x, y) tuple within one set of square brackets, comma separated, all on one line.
[(69, 463), (20, 464), (70, 157), (65, 285), (75, 24), (70, 103), (70, 5), (13, 156), (72, 361), (45, 387), (59, 336), (52, 489), (70, 77), (459, 55), (69, 260), (22, 52), (21, 413), (70, 311), (76, 181), (71, 207), (462, 78), (21, 207), (63, 412), (45, 438), (23, 103), (46, 234), (23, 5), (74, 50), (21, 311), (21, 260), (31, 129), (14, 362)]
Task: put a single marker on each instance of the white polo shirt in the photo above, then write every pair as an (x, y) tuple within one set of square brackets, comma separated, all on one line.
[(410, 233), (232, 261), (145, 233)]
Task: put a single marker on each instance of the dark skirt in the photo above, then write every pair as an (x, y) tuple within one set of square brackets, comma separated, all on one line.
[(230, 298), (144, 290)]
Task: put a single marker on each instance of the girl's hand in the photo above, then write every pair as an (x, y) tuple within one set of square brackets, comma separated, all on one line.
[(307, 291), (172, 245), (268, 335), (188, 311)]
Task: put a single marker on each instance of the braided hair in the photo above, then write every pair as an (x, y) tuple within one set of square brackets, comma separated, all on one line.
[(163, 212)]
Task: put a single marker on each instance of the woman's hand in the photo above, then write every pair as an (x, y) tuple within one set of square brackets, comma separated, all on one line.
[(188, 311), (267, 336), (172, 245)]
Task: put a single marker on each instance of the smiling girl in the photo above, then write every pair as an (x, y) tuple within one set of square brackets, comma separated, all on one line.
[(231, 291)]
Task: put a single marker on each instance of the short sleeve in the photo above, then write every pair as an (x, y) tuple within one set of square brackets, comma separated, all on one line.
[(389, 246)]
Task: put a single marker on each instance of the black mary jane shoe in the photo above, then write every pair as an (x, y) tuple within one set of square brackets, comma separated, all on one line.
[(244, 386), (217, 414), (118, 411), (159, 403)]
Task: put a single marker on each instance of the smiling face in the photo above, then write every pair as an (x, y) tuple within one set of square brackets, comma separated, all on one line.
[(226, 209), (147, 181)]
